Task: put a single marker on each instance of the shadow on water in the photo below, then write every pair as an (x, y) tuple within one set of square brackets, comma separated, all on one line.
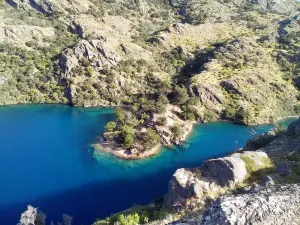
[(90, 201)]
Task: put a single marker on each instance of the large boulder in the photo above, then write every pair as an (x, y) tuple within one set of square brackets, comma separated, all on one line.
[(259, 141), (213, 177), (224, 171), (183, 185), (273, 205), (32, 216), (294, 128)]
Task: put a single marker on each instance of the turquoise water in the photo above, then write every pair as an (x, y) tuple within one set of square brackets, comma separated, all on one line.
[(45, 161)]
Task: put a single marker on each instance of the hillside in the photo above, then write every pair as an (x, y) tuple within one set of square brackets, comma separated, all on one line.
[(207, 60)]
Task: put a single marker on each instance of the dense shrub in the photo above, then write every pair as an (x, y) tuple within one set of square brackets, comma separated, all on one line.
[(180, 95), (110, 126), (151, 138), (127, 136)]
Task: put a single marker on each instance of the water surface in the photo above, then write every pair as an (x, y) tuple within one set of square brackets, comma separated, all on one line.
[(45, 161)]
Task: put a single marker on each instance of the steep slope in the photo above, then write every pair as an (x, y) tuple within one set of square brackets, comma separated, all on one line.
[(235, 60)]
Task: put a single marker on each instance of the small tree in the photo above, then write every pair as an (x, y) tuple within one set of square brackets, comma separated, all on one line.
[(151, 138), (181, 95), (110, 126), (127, 136), (131, 219), (161, 104), (176, 130)]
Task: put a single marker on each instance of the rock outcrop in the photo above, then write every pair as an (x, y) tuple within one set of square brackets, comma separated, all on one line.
[(212, 178), (278, 204), (277, 6)]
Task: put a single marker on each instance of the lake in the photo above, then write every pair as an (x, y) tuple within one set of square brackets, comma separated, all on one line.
[(45, 161)]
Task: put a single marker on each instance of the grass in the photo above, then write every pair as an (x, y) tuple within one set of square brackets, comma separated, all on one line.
[(256, 170)]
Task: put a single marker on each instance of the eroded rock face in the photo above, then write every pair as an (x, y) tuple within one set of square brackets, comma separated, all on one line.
[(42, 6), (212, 177), (224, 171), (98, 52), (275, 6), (32, 216), (259, 141), (273, 205), (294, 128)]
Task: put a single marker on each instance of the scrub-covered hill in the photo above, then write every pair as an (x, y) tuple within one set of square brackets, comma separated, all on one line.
[(168, 64)]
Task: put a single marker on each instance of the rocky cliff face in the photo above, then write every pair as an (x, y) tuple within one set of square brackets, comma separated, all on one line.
[(278, 204)]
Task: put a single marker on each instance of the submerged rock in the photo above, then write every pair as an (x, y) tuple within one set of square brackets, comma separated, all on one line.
[(32, 216)]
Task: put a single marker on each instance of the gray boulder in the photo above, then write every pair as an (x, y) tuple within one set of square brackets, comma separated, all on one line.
[(183, 185), (224, 171), (260, 141), (212, 177), (294, 128), (272, 205)]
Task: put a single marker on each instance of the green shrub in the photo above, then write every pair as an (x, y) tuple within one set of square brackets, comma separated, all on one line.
[(110, 126), (181, 95), (131, 219), (151, 138), (176, 130), (161, 104), (162, 120), (127, 136)]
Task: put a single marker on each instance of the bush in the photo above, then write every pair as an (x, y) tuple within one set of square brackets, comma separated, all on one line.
[(151, 138), (131, 219), (127, 136), (162, 103), (162, 121), (181, 95), (176, 130), (110, 126)]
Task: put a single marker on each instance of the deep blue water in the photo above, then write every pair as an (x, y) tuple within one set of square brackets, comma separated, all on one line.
[(45, 161)]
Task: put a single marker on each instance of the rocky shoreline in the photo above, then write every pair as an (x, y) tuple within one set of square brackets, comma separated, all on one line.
[(260, 184), (122, 153)]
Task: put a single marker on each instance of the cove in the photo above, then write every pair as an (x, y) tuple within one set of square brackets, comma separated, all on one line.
[(45, 161)]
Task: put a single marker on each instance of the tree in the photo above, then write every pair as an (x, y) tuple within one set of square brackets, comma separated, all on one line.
[(127, 136), (181, 95), (151, 138), (131, 219), (162, 103), (121, 116), (110, 126), (176, 130)]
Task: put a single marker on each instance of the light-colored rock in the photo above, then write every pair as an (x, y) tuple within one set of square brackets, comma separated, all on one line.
[(225, 171), (210, 179), (98, 52), (270, 206), (32, 216)]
